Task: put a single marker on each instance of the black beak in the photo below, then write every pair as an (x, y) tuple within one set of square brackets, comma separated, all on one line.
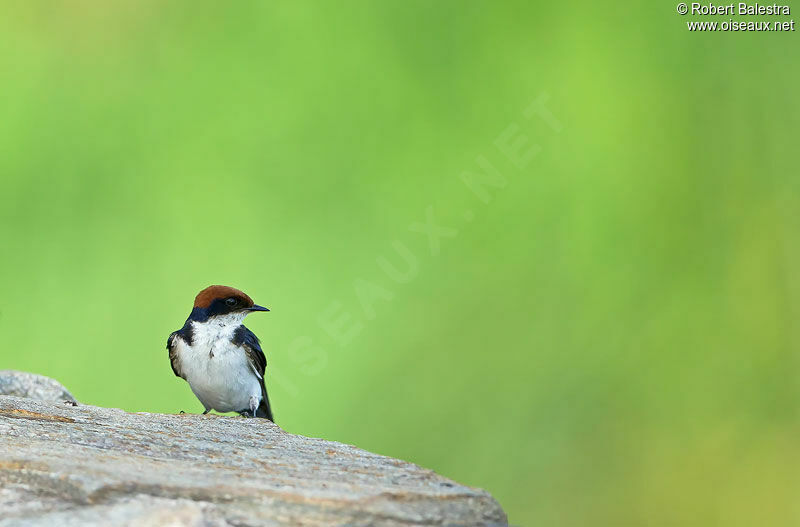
[(257, 308)]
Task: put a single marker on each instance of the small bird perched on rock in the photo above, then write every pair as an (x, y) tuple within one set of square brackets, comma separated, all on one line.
[(220, 358)]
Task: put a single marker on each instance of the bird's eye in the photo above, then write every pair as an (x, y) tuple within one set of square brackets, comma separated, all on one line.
[(231, 301)]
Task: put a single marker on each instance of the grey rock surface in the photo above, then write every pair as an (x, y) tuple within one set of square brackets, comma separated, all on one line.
[(85, 465), (23, 384)]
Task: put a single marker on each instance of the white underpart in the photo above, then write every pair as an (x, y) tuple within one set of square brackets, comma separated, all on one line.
[(217, 370)]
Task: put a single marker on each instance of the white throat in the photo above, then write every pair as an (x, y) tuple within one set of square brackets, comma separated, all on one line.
[(218, 329), (234, 319)]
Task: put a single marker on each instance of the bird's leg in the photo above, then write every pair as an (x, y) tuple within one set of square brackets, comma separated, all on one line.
[(207, 410), (253, 404)]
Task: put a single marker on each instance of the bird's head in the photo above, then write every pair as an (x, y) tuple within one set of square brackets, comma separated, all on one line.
[(221, 300)]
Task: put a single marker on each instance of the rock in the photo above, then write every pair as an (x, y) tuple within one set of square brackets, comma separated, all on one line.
[(22, 384), (84, 465)]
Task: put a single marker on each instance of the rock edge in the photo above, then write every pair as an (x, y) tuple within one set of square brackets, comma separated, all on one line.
[(85, 465)]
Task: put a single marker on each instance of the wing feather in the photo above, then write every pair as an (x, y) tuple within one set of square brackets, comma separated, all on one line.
[(252, 347), (174, 359), (255, 356)]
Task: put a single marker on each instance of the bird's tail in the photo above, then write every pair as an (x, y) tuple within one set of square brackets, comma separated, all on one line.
[(264, 410)]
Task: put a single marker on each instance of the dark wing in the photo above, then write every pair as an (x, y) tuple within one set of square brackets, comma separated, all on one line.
[(173, 353), (185, 334), (252, 346), (255, 356)]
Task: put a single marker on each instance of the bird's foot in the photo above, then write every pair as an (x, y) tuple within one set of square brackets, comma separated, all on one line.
[(181, 412), (207, 410)]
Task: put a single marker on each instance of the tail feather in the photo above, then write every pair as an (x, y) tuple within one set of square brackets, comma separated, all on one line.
[(264, 410)]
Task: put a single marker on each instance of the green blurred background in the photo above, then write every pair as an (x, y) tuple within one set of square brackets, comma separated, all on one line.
[(611, 340)]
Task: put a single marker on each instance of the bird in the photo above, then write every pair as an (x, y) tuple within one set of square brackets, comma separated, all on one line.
[(219, 357)]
